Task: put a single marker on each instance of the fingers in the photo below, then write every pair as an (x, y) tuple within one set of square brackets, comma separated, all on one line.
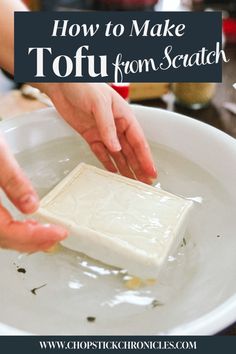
[(125, 160), (122, 164), (28, 236), (133, 161), (136, 139), (119, 158), (14, 183), (93, 138), (127, 124), (106, 125), (102, 154), (5, 216)]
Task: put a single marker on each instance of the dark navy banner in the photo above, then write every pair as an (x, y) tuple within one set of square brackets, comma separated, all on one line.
[(112, 344), (118, 47)]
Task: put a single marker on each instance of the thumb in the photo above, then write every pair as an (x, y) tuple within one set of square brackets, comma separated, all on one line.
[(28, 235), (106, 126), (14, 183)]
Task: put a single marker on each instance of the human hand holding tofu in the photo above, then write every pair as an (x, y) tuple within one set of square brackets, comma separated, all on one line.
[(107, 123), (27, 236), (84, 108), (97, 113), (88, 109)]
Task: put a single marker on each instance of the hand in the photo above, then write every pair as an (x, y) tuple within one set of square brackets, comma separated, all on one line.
[(29, 235), (108, 125)]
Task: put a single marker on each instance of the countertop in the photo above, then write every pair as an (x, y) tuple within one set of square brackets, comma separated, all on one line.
[(215, 114)]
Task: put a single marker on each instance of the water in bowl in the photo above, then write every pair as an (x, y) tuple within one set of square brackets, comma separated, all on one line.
[(67, 293)]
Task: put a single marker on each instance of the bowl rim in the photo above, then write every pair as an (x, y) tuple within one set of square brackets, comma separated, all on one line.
[(11, 122)]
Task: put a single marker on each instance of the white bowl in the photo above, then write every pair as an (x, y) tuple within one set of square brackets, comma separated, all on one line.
[(194, 160)]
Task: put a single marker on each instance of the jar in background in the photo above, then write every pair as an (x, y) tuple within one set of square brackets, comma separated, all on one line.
[(122, 89), (193, 95)]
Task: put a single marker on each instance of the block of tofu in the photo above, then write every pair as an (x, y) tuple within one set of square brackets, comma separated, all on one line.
[(116, 220)]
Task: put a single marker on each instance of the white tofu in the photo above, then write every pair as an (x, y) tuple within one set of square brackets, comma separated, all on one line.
[(116, 220)]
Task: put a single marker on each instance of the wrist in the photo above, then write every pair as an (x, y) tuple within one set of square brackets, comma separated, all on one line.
[(49, 89)]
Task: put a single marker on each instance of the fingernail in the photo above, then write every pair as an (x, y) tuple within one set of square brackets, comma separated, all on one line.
[(116, 145), (53, 249), (31, 222), (154, 171), (60, 232), (29, 203), (152, 180), (47, 225), (147, 181)]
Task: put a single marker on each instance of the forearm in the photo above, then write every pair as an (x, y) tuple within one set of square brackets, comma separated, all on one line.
[(7, 9)]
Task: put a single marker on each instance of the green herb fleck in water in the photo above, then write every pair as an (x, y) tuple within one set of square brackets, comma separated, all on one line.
[(34, 290), (21, 270), (91, 319), (156, 303)]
